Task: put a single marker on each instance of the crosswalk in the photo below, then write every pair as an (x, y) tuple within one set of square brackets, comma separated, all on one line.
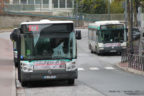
[(95, 68)]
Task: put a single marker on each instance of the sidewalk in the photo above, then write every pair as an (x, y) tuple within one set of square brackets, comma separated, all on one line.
[(124, 66), (7, 71)]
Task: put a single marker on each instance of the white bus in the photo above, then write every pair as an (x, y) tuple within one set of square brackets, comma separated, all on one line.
[(47, 50), (106, 37)]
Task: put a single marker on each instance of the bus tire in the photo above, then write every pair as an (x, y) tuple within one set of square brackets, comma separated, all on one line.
[(16, 64), (92, 51), (71, 81), (98, 53), (89, 46), (24, 84), (19, 73)]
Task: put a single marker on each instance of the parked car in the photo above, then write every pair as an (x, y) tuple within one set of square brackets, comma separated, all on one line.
[(135, 33)]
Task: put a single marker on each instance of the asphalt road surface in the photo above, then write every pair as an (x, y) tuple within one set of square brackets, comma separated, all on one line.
[(98, 76)]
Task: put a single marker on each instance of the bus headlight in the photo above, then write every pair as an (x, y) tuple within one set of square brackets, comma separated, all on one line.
[(101, 46), (123, 45), (71, 66), (26, 67)]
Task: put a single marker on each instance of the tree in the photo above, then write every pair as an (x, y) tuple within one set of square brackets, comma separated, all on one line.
[(92, 6), (116, 6)]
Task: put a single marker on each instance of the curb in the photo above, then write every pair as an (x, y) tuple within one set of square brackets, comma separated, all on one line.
[(13, 90), (131, 70)]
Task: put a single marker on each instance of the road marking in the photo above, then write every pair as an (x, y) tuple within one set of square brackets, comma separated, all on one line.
[(109, 68), (80, 69), (94, 68)]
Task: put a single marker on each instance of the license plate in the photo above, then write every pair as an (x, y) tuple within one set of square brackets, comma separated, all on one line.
[(49, 77), (113, 51)]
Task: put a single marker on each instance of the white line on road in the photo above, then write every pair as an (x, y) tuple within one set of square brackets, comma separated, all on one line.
[(80, 69), (94, 68), (109, 68)]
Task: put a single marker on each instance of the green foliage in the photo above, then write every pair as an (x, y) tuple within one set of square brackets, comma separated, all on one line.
[(99, 6), (92, 6), (116, 6)]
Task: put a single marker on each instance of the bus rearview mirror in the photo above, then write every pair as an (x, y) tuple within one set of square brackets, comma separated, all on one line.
[(15, 34), (78, 34)]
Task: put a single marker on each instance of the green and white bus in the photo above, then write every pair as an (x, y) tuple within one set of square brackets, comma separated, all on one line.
[(107, 37), (47, 50)]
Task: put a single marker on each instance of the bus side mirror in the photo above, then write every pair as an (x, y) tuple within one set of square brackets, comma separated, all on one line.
[(78, 34), (15, 34)]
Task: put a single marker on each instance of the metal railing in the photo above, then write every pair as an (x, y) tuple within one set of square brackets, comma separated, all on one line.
[(134, 61)]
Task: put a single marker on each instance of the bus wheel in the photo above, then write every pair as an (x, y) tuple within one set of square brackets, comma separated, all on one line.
[(16, 64), (89, 46), (24, 84), (71, 81), (19, 73), (92, 51)]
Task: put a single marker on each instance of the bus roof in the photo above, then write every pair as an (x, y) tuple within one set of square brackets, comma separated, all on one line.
[(99, 23), (46, 21)]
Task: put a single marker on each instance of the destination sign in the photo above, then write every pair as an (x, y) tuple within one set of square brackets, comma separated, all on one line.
[(33, 28), (47, 28), (112, 26)]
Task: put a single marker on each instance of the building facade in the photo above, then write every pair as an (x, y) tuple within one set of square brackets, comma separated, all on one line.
[(43, 5)]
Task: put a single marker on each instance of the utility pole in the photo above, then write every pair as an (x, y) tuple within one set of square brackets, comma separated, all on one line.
[(130, 24), (77, 16), (131, 27), (140, 25), (128, 17), (109, 9), (125, 13)]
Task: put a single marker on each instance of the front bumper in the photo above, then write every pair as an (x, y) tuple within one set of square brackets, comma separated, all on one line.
[(111, 50), (48, 75)]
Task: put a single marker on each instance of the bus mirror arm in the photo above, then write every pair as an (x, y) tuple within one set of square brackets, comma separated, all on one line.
[(78, 34)]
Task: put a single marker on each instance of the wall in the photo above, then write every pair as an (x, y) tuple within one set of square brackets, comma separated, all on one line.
[(11, 21)]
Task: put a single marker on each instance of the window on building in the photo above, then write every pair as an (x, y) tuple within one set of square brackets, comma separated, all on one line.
[(69, 3), (62, 3), (23, 1), (16, 1), (55, 3), (45, 3), (5, 1), (38, 1), (30, 1)]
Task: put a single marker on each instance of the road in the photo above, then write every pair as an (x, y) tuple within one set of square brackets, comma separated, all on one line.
[(98, 76), (6, 66)]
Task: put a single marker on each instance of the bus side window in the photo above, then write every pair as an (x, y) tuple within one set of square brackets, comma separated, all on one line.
[(93, 35), (90, 34), (96, 35)]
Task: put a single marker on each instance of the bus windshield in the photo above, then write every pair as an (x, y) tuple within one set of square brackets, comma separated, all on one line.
[(48, 45), (112, 36)]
